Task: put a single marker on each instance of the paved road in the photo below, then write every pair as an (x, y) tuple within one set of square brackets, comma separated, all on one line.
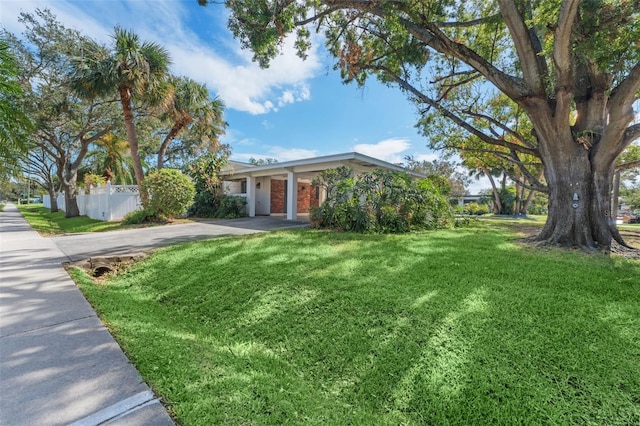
[(58, 363), (83, 246)]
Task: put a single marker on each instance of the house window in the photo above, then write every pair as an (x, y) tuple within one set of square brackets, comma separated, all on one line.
[(243, 187)]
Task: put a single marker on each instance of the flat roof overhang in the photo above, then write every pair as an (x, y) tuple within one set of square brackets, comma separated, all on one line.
[(312, 166)]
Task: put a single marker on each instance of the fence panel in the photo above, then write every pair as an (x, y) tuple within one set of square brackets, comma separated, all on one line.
[(107, 203)]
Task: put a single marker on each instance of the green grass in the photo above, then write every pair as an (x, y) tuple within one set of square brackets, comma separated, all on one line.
[(42, 220), (450, 327)]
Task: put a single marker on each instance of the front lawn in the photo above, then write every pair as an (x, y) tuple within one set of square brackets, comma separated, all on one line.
[(46, 223), (451, 327)]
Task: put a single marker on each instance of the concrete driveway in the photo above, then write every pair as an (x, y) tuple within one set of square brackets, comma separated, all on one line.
[(82, 246)]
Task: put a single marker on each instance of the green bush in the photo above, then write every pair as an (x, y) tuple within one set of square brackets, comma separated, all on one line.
[(138, 216), (476, 209), (170, 193), (231, 207), (379, 201)]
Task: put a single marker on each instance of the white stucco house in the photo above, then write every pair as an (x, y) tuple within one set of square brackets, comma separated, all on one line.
[(285, 188)]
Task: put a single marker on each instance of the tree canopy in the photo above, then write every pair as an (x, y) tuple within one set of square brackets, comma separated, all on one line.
[(549, 82), (14, 123)]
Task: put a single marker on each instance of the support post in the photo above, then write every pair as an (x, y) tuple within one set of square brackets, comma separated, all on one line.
[(251, 196), (292, 196)]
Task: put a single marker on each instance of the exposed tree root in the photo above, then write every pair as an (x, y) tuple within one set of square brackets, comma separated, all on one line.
[(625, 250), (618, 238)]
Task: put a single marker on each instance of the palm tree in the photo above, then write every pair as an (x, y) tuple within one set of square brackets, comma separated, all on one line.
[(112, 161), (191, 107), (134, 70)]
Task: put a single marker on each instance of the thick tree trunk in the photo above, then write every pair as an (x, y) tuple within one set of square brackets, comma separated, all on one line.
[(127, 111), (527, 202), (71, 201), (518, 206), (616, 195), (53, 196), (497, 206), (180, 124), (579, 200)]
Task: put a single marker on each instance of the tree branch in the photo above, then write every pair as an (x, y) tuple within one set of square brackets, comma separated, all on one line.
[(318, 16), (623, 95), (498, 124), (471, 23), (629, 165), (524, 45), (562, 57), (447, 113), (431, 36), (631, 134)]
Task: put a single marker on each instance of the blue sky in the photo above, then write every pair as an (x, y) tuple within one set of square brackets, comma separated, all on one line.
[(294, 109)]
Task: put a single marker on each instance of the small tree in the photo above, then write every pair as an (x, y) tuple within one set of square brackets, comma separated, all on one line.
[(205, 173), (92, 179), (169, 193)]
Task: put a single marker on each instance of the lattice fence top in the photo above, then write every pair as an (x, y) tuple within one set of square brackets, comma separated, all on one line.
[(122, 189)]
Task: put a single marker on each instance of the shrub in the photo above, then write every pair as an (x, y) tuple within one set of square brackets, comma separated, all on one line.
[(138, 216), (476, 209), (231, 207), (379, 201), (170, 193)]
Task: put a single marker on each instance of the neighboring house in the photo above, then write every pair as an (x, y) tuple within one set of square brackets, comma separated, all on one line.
[(285, 188)]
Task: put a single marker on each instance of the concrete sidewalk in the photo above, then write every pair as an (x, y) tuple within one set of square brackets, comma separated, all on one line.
[(58, 364)]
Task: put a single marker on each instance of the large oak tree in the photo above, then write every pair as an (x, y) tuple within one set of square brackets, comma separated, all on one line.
[(572, 66), (64, 125)]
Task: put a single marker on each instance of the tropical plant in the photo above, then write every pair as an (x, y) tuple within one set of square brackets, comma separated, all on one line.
[(379, 201), (205, 173), (111, 159), (191, 110), (131, 69), (436, 169)]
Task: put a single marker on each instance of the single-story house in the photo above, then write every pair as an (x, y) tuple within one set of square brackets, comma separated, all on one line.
[(285, 188)]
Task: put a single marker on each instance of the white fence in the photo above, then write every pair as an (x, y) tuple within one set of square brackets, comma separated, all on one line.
[(108, 203)]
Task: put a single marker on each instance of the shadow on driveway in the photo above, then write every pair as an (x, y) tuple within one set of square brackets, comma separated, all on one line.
[(82, 246)]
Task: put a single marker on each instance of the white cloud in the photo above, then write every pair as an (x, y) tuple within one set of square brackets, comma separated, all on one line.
[(387, 150), (243, 85), (289, 154), (286, 98), (426, 157), (279, 153), (479, 185), (216, 60)]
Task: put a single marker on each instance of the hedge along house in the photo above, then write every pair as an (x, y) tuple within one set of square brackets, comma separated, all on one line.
[(285, 188)]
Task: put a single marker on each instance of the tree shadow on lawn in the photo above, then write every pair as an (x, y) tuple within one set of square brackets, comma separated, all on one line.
[(341, 328)]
